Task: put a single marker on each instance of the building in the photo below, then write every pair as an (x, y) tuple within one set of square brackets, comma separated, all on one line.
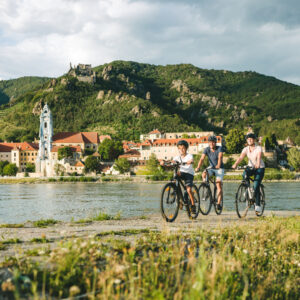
[(85, 140), (131, 155), (156, 134), (76, 150), (167, 148), (19, 154), (83, 73)]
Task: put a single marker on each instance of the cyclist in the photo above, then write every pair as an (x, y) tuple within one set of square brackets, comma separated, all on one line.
[(186, 171), (215, 157), (256, 164)]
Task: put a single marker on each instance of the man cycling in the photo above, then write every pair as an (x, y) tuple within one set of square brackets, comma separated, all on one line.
[(256, 164), (215, 157), (186, 171)]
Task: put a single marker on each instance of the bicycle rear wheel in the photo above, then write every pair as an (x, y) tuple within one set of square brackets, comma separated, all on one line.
[(242, 201), (262, 201), (169, 204), (205, 199), (191, 214)]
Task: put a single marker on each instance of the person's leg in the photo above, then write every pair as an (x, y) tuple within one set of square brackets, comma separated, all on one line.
[(189, 190), (204, 176), (259, 175), (219, 183)]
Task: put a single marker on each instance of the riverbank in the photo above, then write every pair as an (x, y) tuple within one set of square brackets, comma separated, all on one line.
[(211, 257), (129, 179)]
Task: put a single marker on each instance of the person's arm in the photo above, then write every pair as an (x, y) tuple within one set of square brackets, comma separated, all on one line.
[(220, 157), (243, 154), (200, 162)]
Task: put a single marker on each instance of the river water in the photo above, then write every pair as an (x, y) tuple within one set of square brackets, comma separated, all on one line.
[(22, 202)]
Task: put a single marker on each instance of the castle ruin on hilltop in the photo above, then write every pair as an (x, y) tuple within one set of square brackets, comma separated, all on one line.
[(83, 73)]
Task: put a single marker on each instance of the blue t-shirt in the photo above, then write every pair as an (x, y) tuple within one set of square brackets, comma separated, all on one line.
[(213, 157)]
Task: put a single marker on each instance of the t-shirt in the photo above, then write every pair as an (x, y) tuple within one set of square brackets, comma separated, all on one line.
[(253, 156), (185, 168), (213, 156)]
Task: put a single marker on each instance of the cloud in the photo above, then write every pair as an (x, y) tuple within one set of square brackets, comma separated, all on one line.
[(42, 37)]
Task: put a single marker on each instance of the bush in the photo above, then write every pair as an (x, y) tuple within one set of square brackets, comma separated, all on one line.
[(10, 170)]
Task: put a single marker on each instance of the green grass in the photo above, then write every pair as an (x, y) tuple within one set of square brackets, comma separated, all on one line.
[(44, 223), (11, 241), (11, 225), (258, 260), (101, 216), (40, 240)]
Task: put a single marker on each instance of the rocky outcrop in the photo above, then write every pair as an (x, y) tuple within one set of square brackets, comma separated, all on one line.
[(37, 108), (180, 86), (148, 96), (100, 95)]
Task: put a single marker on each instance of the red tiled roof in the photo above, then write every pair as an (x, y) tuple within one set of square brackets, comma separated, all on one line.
[(154, 131), (146, 143), (76, 137), (173, 142), (79, 164), (25, 146), (130, 153), (103, 137), (73, 148)]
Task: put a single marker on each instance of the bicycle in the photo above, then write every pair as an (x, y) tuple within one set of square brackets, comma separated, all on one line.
[(172, 198), (207, 199), (245, 198)]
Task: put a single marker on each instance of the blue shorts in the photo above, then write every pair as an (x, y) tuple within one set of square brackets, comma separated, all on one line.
[(188, 178), (219, 173)]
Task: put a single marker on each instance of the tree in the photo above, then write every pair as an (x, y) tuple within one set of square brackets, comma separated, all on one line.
[(235, 141), (64, 152), (205, 163), (91, 164), (293, 157), (122, 165), (152, 164), (185, 136), (110, 149), (59, 169), (10, 170), (30, 168), (2, 165)]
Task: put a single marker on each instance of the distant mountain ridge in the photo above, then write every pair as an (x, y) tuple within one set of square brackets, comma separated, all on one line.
[(130, 98)]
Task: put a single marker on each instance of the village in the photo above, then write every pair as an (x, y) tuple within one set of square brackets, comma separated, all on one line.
[(47, 156)]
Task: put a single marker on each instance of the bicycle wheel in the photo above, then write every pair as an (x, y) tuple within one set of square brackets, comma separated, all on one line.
[(205, 199), (218, 211), (242, 201), (262, 201), (169, 204), (191, 214)]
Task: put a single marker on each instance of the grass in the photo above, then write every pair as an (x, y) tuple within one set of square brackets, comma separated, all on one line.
[(40, 240), (44, 223), (259, 260), (125, 232), (11, 225), (11, 241), (101, 216)]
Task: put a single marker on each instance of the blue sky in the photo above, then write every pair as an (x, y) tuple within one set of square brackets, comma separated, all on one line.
[(41, 37)]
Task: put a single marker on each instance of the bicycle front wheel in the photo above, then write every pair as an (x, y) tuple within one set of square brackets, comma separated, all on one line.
[(169, 204), (242, 201), (262, 201), (205, 199)]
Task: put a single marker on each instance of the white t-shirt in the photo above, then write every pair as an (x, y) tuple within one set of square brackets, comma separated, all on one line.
[(185, 168), (253, 156)]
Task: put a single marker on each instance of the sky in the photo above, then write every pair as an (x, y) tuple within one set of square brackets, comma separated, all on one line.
[(42, 37)]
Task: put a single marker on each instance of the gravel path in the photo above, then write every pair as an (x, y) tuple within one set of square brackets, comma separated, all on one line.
[(62, 231)]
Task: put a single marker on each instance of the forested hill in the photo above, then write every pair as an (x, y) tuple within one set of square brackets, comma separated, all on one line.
[(130, 98), (12, 89)]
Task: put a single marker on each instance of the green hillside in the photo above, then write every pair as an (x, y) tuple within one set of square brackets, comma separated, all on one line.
[(130, 98), (13, 88)]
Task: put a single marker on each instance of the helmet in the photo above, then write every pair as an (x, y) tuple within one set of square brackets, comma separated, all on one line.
[(183, 143), (212, 138), (250, 135)]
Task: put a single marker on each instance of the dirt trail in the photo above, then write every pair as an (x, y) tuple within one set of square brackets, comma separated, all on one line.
[(62, 231)]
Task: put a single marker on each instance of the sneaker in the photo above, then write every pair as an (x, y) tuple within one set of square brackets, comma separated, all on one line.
[(219, 206), (257, 208), (194, 209)]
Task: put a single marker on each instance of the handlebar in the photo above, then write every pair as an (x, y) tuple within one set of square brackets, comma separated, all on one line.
[(244, 168)]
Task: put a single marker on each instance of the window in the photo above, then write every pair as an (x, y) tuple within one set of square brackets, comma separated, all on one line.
[(15, 154), (45, 124)]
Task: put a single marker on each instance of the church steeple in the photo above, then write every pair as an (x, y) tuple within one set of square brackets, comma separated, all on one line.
[(46, 133)]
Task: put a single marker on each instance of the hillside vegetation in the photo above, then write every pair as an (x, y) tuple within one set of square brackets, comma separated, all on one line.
[(130, 98)]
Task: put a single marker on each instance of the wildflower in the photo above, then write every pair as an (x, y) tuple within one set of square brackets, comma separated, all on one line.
[(117, 281), (245, 251), (83, 245), (7, 286), (74, 290), (41, 252)]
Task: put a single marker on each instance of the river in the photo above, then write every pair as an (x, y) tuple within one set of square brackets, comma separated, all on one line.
[(22, 202)]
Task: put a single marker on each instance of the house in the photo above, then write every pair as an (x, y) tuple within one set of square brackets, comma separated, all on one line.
[(20, 153), (85, 140), (131, 155)]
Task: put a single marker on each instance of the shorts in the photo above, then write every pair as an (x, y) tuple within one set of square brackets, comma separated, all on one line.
[(188, 178), (219, 173)]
